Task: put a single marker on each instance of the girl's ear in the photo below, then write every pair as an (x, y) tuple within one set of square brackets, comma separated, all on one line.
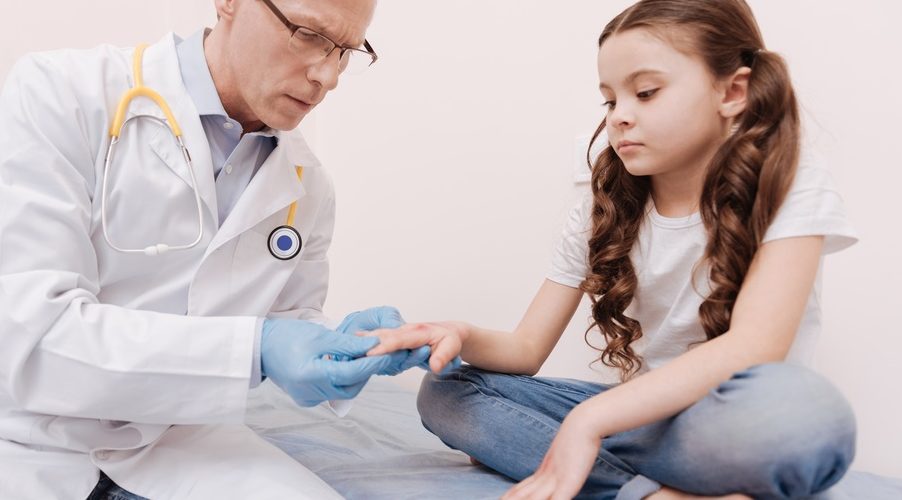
[(735, 93)]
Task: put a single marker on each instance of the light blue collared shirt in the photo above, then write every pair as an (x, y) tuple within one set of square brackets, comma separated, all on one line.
[(236, 157)]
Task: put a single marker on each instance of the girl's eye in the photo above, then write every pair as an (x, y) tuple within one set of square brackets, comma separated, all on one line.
[(609, 104), (646, 94)]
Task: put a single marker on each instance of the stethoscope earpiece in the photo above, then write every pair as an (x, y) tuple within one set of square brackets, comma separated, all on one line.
[(285, 242)]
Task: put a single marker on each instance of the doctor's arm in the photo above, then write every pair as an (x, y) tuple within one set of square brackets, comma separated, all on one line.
[(64, 352), (776, 287), (67, 353)]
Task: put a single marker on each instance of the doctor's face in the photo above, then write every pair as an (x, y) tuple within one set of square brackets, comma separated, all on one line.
[(276, 81)]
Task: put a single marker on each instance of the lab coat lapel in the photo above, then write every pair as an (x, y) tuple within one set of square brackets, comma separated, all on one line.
[(274, 187), (161, 73)]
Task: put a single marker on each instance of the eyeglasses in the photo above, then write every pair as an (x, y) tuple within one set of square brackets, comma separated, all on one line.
[(310, 43)]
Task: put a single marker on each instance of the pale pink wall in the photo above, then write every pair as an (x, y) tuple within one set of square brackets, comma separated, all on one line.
[(453, 160)]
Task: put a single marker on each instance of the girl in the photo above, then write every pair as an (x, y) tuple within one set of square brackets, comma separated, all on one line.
[(700, 249)]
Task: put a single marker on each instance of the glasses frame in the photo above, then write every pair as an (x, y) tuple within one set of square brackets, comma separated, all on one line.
[(341, 48)]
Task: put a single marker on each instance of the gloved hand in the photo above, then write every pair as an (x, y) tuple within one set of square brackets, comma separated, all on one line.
[(292, 351), (386, 317), (405, 359), (370, 319), (449, 367), (446, 338)]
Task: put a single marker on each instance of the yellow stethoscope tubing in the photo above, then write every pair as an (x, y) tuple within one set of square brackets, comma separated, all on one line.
[(285, 242), (294, 205), (139, 90)]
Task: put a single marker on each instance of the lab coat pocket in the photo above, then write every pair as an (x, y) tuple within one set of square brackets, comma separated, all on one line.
[(258, 276)]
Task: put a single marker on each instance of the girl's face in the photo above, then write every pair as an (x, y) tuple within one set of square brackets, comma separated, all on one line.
[(664, 107)]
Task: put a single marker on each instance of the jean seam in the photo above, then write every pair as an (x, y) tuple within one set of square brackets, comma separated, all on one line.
[(500, 401), (548, 383)]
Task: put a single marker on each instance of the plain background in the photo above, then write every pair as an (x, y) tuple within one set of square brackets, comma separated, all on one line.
[(455, 161)]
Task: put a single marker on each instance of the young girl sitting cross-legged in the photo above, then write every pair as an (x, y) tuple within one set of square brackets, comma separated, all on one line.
[(700, 247)]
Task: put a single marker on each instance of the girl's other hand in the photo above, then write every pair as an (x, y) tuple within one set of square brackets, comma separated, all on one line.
[(569, 461), (445, 338), (566, 465)]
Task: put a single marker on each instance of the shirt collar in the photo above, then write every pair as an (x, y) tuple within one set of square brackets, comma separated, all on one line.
[(198, 81), (196, 75)]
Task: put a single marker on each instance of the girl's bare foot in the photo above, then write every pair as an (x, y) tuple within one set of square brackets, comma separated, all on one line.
[(666, 493)]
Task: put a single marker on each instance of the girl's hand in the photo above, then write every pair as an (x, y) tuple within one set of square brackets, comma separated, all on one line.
[(445, 338), (566, 465)]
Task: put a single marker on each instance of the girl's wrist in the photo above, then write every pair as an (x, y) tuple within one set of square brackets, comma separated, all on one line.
[(463, 329), (584, 417)]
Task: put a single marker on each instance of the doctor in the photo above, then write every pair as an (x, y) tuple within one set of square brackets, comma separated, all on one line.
[(144, 289)]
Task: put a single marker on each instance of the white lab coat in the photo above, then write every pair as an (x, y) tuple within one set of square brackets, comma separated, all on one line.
[(135, 365)]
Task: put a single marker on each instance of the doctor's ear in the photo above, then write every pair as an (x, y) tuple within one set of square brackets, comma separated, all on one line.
[(735, 90), (225, 9)]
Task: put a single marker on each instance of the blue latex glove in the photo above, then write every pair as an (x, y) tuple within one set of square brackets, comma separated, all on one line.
[(371, 319), (375, 318), (451, 366), (368, 320), (292, 354), (405, 359)]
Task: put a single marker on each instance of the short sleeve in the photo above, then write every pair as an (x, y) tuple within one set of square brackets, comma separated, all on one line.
[(813, 207), (570, 257)]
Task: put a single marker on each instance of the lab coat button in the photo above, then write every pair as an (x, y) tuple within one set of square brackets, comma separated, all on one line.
[(228, 169), (228, 125), (102, 455)]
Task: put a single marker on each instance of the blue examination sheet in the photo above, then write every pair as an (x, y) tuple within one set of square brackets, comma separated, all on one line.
[(380, 450)]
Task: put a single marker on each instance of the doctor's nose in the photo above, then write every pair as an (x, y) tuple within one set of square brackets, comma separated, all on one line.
[(326, 71)]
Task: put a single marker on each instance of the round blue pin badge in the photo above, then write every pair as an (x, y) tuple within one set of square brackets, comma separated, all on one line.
[(285, 243)]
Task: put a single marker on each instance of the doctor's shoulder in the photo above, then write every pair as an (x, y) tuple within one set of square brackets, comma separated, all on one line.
[(68, 89), (84, 71)]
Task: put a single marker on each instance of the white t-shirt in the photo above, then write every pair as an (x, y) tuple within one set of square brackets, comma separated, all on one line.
[(665, 303)]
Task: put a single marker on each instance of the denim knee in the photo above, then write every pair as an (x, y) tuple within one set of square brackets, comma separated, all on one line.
[(430, 397), (783, 429), (440, 399)]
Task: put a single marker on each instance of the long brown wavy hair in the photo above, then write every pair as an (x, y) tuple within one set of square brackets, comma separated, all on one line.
[(745, 183)]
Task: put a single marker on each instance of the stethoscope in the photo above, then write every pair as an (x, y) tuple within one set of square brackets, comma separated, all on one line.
[(284, 242)]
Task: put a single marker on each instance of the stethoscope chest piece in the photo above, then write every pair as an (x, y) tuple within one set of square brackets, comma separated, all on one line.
[(285, 242)]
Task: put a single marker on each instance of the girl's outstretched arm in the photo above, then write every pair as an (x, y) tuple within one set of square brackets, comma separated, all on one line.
[(522, 351), (765, 318)]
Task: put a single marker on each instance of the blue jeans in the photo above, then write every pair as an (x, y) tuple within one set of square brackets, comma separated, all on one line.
[(772, 431)]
